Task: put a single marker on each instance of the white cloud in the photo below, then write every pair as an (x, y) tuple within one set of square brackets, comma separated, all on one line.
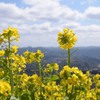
[(50, 10), (45, 10), (40, 2), (88, 28), (88, 35), (93, 12), (89, 2), (10, 11), (39, 22)]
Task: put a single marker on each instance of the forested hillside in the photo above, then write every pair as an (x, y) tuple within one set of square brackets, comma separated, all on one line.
[(85, 58)]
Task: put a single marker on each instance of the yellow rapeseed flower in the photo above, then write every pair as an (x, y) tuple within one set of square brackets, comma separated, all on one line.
[(51, 67), (56, 66), (12, 33), (2, 52), (14, 49), (66, 39), (5, 88), (38, 56)]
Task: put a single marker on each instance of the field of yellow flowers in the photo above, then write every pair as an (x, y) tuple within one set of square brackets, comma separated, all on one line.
[(70, 83)]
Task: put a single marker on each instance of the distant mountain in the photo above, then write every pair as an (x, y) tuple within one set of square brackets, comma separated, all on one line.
[(85, 58)]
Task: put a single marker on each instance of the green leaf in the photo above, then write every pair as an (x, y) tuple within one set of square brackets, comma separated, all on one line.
[(25, 96), (13, 98), (54, 78), (32, 95), (47, 80)]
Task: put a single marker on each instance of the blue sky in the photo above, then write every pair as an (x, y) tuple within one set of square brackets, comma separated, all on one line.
[(80, 5), (39, 21)]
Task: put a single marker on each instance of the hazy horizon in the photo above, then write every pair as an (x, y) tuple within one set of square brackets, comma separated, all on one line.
[(59, 47)]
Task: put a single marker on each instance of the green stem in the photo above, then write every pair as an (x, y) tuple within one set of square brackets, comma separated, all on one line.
[(10, 68), (40, 73), (39, 66), (71, 94), (17, 78), (11, 82), (68, 57), (66, 90)]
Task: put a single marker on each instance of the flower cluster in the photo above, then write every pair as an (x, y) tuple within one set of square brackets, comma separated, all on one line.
[(33, 56), (18, 62), (77, 83), (96, 80), (10, 32), (66, 39), (51, 67), (53, 91), (2, 52), (5, 88)]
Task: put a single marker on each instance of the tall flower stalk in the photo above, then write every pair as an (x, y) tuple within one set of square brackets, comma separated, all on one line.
[(68, 53), (9, 66), (9, 35), (66, 40)]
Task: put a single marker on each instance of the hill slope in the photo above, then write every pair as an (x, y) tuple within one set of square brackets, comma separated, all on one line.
[(85, 58)]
